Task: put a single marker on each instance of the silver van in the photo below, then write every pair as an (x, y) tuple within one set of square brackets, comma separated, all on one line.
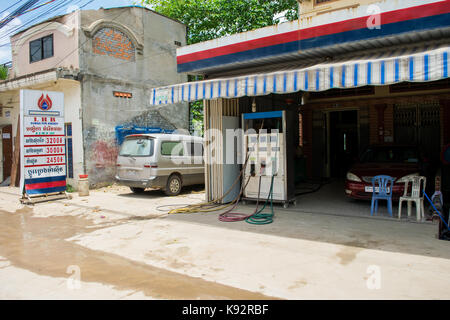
[(164, 161)]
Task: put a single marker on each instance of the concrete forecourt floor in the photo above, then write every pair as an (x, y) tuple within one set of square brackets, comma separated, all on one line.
[(117, 245)]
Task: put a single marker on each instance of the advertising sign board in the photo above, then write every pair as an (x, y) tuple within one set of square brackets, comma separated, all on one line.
[(42, 142)]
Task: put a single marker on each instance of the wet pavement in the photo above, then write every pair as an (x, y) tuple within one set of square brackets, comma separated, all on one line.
[(127, 247), (39, 245)]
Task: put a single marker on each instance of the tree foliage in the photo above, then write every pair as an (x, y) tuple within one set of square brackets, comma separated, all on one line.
[(197, 116), (3, 72), (210, 19)]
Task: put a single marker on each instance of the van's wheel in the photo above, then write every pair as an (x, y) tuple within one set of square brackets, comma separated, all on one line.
[(137, 190), (173, 186)]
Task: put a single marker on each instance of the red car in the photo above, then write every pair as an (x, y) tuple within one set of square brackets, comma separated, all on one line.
[(397, 161)]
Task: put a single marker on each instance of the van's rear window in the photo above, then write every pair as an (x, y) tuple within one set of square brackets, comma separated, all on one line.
[(138, 147)]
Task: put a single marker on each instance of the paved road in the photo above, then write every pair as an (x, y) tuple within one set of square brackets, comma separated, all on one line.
[(124, 247)]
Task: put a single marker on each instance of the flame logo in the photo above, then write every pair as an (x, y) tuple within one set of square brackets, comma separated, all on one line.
[(45, 103)]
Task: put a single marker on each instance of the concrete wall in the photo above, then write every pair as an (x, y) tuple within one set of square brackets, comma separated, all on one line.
[(65, 34), (308, 8), (311, 8), (127, 50)]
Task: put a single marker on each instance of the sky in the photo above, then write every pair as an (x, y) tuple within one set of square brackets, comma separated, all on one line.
[(43, 14)]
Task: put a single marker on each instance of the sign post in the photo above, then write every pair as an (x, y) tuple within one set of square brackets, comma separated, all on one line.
[(42, 146)]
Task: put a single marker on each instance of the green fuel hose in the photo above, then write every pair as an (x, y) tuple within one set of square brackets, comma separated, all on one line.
[(260, 217)]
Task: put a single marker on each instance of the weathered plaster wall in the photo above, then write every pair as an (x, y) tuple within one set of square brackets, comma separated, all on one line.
[(107, 64), (103, 112)]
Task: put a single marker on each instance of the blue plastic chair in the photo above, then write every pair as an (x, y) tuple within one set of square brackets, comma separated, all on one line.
[(384, 183)]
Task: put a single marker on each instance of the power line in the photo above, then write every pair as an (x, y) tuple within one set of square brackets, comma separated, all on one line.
[(44, 25), (11, 6), (22, 12), (56, 7), (19, 11)]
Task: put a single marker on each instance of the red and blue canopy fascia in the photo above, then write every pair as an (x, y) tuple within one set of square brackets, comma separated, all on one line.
[(414, 19)]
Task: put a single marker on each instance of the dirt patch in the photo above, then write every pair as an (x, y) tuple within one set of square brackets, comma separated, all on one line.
[(347, 254), (39, 245), (298, 284)]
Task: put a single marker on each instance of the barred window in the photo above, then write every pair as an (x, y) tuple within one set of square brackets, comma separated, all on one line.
[(41, 48)]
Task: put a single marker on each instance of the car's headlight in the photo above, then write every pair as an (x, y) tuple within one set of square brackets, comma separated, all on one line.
[(403, 179), (353, 177)]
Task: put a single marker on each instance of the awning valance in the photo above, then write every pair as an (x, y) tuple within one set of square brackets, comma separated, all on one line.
[(413, 66)]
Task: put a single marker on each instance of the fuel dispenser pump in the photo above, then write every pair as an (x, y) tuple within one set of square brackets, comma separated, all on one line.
[(267, 161)]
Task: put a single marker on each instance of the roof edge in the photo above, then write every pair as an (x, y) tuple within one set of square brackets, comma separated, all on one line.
[(66, 14)]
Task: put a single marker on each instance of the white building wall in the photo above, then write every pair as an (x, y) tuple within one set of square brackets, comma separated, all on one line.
[(72, 104)]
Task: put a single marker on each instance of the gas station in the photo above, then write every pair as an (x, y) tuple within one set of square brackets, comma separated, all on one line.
[(328, 87)]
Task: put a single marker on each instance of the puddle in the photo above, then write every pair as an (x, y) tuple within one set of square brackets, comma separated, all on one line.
[(38, 245)]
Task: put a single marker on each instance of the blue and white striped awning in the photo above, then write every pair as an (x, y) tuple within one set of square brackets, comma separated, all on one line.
[(385, 69)]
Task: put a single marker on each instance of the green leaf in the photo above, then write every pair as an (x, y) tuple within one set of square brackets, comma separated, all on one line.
[(3, 72)]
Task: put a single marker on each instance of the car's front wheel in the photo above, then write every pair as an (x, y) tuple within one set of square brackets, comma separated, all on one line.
[(173, 186)]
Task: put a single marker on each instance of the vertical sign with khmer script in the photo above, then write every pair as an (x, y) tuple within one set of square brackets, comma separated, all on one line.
[(43, 151)]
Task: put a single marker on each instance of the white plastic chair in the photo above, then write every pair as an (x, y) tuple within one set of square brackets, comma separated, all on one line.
[(416, 196)]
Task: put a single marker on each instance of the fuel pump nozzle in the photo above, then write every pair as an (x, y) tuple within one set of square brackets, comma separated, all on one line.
[(262, 170)]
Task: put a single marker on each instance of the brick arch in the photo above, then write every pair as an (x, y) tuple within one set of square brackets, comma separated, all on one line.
[(114, 43), (98, 25)]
